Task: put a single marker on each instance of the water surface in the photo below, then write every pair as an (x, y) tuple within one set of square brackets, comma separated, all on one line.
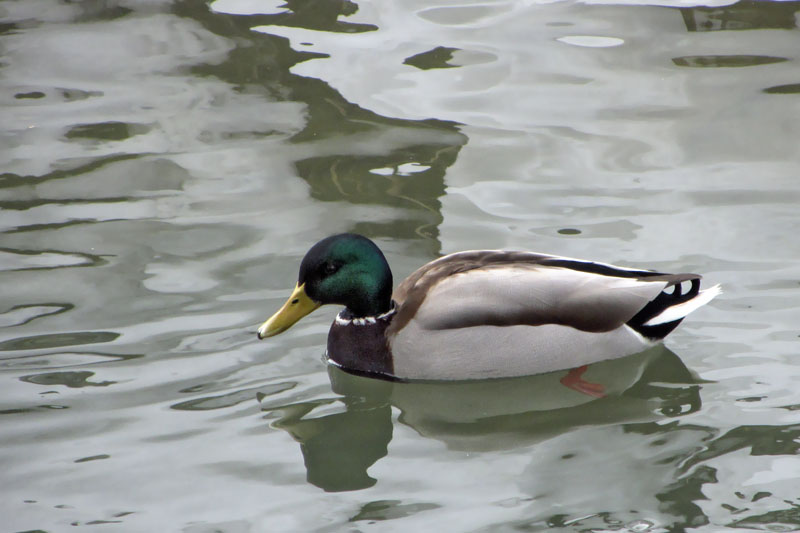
[(165, 166)]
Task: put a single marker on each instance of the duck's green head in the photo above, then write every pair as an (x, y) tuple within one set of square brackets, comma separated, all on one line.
[(346, 269)]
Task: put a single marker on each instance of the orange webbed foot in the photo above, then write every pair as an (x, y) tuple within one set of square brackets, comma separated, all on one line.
[(574, 381)]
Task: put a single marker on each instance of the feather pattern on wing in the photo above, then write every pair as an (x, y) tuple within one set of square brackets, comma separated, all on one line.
[(500, 288)]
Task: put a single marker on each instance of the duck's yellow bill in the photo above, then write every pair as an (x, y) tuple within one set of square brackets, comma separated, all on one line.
[(296, 307)]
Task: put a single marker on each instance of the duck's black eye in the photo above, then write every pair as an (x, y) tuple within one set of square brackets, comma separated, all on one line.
[(330, 268)]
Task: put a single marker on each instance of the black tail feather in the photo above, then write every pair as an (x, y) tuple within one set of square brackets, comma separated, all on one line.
[(658, 305)]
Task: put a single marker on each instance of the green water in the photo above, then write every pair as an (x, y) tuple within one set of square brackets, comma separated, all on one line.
[(165, 166)]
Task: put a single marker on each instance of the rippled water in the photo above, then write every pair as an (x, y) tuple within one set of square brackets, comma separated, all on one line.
[(165, 165)]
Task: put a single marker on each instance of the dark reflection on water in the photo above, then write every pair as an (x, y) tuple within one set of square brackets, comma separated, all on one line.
[(46, 259), (19, 315), (680, 497), (31, 410), (335, 178), (58, 340), (782, 520), (746, 15), (477, 416), (348, 173), (321, 15), (109, 192), (61, 359), (338, 449), (72, 379), (717, 61), (106, 131), (760, 440), (94, 10), (789, 88), (390, 510), (230, 399), (436, 58), (92, 458)]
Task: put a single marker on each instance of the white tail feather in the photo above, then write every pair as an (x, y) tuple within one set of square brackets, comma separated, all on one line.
[(676, 312)]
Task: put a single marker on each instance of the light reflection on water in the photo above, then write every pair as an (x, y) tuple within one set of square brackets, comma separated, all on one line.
[(165, 167)]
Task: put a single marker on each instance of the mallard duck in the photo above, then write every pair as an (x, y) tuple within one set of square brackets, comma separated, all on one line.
[(483, 313)]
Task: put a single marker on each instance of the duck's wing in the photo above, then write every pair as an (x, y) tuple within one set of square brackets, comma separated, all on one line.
[(498, 288)]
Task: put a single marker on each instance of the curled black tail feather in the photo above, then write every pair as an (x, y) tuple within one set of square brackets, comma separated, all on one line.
[(660, 304)]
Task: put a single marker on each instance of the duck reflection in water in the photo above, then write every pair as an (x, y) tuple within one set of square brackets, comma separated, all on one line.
[(495, 414)]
